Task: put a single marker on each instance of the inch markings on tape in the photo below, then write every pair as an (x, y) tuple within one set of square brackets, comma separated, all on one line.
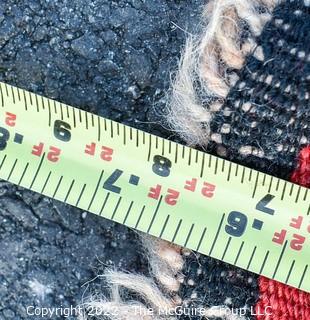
[(196, 200)]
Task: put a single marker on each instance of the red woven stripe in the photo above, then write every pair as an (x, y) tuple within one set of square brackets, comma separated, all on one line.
[(279, 301), (302, 173)]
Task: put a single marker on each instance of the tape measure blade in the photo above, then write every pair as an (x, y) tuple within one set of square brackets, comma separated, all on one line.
[(205, 203)]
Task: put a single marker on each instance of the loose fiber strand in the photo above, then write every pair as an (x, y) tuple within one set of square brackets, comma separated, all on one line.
[(209, 62)]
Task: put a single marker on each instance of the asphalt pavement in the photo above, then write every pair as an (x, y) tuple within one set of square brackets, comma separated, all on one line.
[(115, 59)]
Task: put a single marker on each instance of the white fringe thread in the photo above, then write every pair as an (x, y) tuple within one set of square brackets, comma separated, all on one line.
[(209, 63)]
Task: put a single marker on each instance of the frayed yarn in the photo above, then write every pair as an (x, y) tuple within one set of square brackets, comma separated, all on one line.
[(132, 296), (186, 115), (141, 285), (138, 297), (165, 262), (208, 64)]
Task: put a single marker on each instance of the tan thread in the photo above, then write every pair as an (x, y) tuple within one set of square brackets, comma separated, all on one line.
[(119, 306), (208, 64), (165, 262)]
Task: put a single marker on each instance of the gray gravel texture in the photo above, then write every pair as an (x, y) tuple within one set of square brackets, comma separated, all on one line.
[(113, 58)]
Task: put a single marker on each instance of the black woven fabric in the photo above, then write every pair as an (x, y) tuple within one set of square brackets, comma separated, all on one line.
[(210, 282), (268, 111)]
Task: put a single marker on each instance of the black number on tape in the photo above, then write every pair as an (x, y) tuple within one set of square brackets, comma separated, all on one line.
[(62, 130), (5, 135), (237, 223), (109, 183), (161, 166), (262, 204)]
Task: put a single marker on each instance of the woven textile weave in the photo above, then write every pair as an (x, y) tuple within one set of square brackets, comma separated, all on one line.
[(266, 115), (264, 123)]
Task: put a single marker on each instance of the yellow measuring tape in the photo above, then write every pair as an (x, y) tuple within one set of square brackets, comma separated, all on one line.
[(196, 200)]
